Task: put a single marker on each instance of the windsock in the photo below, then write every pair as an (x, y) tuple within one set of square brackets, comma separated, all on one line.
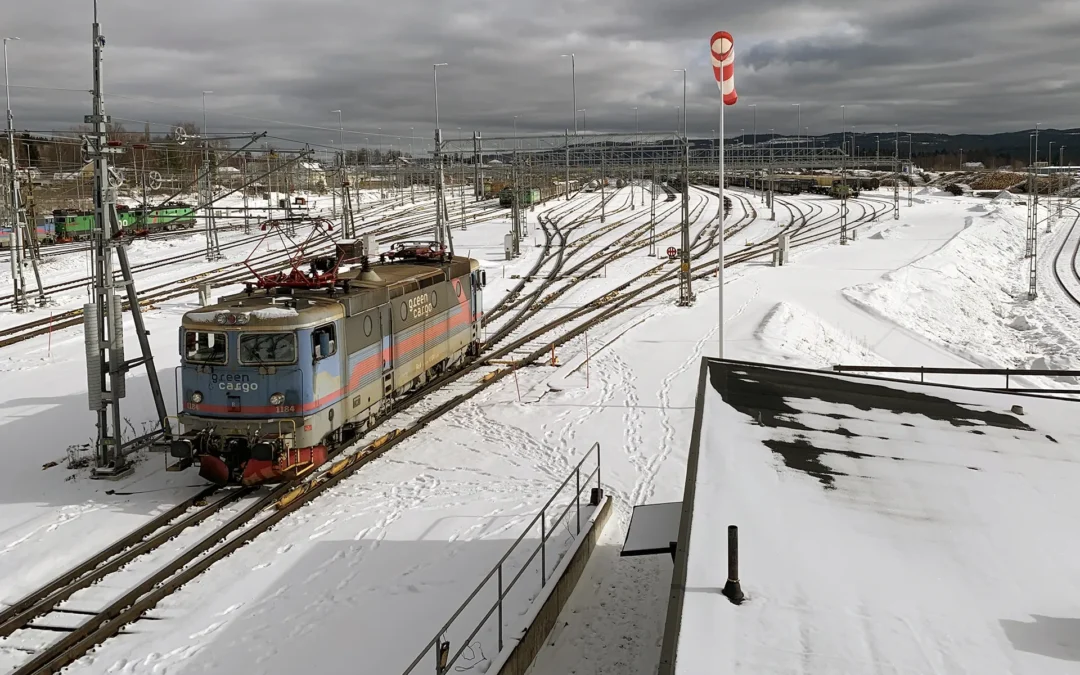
[(723, 65)]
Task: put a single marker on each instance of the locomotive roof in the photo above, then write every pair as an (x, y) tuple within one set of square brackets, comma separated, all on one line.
[(308, 307)]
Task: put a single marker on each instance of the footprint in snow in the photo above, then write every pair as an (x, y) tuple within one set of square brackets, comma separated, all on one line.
[(284, 549), (206, 631)]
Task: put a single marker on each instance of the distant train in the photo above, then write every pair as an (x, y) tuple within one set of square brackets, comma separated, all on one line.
[(44, 230), (74, 225), (529, 195), (277, 379), (66, 225), (526, 196)]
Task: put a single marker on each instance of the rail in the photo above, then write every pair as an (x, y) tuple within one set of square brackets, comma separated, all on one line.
[(923, 371), (438, 644)]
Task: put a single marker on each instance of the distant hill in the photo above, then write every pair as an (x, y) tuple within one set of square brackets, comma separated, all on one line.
[(942, 151)]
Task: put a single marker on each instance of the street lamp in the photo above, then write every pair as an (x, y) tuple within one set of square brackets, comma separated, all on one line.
[(582, 111), (683, 71), (798, 130), (573, 80), (204, 115), (341, 135), (435, 71)]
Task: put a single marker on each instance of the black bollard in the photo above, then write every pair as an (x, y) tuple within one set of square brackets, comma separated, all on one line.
[(732, 589)]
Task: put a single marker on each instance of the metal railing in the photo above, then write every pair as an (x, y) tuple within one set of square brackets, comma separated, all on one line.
[(439, 644), (1007, 372)]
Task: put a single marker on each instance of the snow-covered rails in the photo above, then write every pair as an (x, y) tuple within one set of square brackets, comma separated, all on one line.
[(275, 381)]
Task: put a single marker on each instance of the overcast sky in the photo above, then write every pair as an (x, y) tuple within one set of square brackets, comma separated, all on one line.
[(959, 66)]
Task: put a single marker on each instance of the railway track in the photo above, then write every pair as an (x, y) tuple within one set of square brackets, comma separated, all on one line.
[(262, 511), (1071, 239), (218, 277)]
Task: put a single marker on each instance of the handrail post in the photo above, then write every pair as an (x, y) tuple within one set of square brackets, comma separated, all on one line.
[(543, 547), (1006, 379), (577, 495), (500, 608), (598, 466)]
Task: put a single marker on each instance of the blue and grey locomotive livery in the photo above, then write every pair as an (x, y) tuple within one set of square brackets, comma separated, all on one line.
[(274, 381)]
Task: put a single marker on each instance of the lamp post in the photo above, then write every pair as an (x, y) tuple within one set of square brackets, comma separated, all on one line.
[(573, 82), (683, 71), (341, 133), (798, 129), (582, 111)]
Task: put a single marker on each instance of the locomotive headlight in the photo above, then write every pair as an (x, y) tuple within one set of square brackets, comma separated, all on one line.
[(196, 397), (277, 399)]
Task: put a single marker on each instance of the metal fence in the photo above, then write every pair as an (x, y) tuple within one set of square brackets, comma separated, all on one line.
[(439, 645), (1009, 373)]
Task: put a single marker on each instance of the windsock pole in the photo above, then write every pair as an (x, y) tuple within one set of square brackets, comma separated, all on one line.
[(720, 220), (722, 50)]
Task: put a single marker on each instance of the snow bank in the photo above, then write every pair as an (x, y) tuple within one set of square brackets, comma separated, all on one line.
[(203, 317), (970, 296), (809, 341), (273, 313)]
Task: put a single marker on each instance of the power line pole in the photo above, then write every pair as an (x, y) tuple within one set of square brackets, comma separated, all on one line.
[(103, 319), (21, 235), (686, 294), (896, 182)]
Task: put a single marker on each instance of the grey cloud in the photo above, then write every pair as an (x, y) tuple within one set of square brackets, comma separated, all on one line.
[(968, 65)]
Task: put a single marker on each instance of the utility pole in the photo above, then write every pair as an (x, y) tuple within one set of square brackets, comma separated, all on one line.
[(1032, 269), (652, 212), (896, 182), (103, 319), (213, 250), (772, 158), (440, 235), (244, 178), (603, 186), (566, 136), (515, 208), (843, 178), (637, 132), (21, 233), (686, 294)]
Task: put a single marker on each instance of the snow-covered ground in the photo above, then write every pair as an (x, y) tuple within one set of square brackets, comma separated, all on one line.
[(384, 558), (903, 529)]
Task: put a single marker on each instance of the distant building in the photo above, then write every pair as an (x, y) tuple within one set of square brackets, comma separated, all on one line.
[(974, 165)]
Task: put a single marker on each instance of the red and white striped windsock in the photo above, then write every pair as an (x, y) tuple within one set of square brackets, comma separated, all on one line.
[(723, 65)]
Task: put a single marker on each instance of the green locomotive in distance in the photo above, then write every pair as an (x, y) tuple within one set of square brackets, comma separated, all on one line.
[(75, 225), (529, 196)]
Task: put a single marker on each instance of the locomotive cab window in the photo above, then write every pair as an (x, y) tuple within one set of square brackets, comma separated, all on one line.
[(265, 349), (323, 342), (205, 347)]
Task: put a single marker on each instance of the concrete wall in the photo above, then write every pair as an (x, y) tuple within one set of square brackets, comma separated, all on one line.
[(522, 655)]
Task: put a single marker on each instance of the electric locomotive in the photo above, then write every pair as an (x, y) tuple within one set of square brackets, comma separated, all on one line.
[(276, 379)]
